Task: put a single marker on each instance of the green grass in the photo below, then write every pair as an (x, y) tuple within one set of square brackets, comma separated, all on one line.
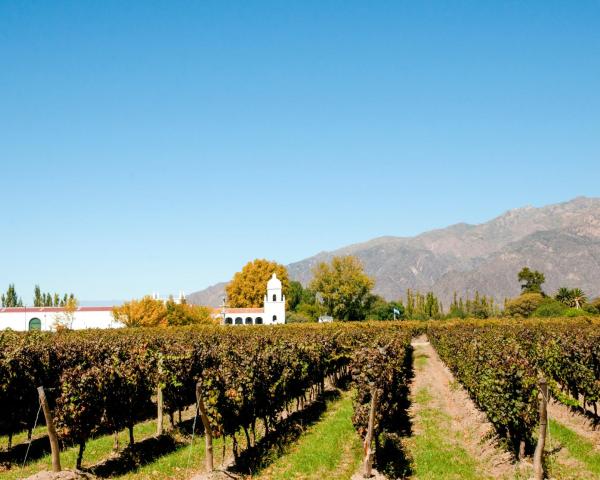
[(330, 449), (578, 447), (434, 454), (168, 466)]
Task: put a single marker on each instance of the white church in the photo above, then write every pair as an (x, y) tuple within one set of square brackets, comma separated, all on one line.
[(272, 313)]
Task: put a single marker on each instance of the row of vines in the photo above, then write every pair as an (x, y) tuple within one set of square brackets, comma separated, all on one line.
[(106, 381), (500, 363)]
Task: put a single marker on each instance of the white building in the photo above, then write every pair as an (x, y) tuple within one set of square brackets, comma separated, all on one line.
[(273, 311), (45, 318)]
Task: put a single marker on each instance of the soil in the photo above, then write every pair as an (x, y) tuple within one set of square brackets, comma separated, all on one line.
[(64, 475), (468, 425)]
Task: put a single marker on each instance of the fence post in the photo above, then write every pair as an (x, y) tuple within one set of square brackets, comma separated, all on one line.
[(159, 399), (538, 456), (207, 429), (368, 460), (51, 430)]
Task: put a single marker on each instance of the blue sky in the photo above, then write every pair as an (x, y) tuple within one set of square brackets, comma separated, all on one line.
[(158, 146)]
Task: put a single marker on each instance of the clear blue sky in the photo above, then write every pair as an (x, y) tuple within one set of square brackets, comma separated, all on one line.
[(158, 146)]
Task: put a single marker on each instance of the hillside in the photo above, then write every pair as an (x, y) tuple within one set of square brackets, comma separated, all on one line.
[(562, 240)]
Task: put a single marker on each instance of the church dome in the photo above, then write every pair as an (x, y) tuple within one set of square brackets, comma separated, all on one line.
[(274, 283)]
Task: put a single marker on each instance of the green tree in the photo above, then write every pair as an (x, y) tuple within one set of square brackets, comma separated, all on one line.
[(531, 281), (248, 287), (294, 295), (344, 287), (524, 305), (10, 298), (37, 297)]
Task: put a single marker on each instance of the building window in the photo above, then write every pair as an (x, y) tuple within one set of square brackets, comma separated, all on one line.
[(35, 324), (228, 321), (274, 318), (274, 297), (239, 321), (248, 321), (258, 320)]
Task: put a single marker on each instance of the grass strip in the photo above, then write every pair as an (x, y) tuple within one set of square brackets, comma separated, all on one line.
[(578, 447), (329, 449), (434, 454)]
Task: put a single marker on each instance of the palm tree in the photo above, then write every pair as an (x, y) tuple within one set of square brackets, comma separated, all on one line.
[(565, 295), (579, 297)]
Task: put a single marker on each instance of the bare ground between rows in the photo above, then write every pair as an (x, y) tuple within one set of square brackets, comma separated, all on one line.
[(469, 427)]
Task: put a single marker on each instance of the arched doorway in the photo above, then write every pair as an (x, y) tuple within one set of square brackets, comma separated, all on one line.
[(274, 318), (35, 324), (239, 321), (258, 321), (228, 321), (248, 320)]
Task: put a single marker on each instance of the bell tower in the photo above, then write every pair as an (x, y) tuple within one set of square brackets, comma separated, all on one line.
[(274, 302)]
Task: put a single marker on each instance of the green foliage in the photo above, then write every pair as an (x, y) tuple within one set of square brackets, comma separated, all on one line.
[(571, 297), (344, 287), (50, 300), (10, 298), (523, 305), (531, 280), (422, 307), (380, 309), (550, 308), (574, 312), (297, 317), (480, 306)]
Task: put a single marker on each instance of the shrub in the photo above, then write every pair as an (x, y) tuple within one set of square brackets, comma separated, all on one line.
[(550, 308), (523, 305)]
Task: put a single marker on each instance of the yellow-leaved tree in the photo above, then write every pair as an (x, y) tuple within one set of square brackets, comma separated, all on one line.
[(149, 312), (146, 312), (247, 288)]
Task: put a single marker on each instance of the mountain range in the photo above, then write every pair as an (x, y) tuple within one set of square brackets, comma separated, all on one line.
[(561, 240)]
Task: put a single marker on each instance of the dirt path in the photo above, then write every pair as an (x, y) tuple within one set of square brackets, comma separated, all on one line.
[(442, 411)]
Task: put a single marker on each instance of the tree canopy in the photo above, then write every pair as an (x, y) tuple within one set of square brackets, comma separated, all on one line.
[(148, 312), (531, 280), (344, 287), (248, 287)]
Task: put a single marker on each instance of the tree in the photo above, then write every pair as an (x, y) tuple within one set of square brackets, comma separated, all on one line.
[(64, 320), (248, 287), (531, 281), (11, 299), (184, 314), (294, 295), (344, 287), (571, 297), (146, 312), (565, 296), (524, 305), (579, 298), (37, 297)]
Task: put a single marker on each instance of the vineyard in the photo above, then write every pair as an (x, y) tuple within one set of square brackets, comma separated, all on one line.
[(241, 389)]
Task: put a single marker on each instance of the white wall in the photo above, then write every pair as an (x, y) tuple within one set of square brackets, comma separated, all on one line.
[(84, 317)]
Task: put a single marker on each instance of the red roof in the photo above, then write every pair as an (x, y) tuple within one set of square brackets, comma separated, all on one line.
[(52, 309)]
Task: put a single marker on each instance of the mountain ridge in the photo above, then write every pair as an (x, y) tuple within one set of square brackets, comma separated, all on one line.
[(562, 240)]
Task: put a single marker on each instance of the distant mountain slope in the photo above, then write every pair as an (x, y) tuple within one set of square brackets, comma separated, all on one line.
[(562, 240)]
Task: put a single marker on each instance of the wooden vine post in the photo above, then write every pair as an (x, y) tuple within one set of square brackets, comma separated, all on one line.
[(368, 459), (538, 456), (207, 430), (159, 399), (51, 430)]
